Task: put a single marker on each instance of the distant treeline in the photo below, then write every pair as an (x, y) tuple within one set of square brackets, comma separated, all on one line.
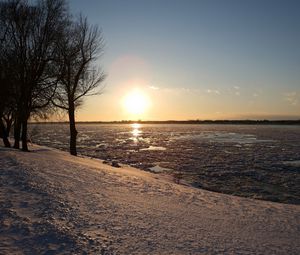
[(223, 122)]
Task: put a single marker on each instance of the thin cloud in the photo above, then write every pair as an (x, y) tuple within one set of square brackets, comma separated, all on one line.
[(153, 87), (292, 98), (235, 90), (213, 91)]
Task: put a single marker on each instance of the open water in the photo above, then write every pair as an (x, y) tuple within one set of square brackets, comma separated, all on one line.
[(258, 161)]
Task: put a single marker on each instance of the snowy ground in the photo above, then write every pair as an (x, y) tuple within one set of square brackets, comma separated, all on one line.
[(53, 203)]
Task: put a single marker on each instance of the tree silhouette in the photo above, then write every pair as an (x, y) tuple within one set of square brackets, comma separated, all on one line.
[(45, 56), (79, 47), (30, 34)]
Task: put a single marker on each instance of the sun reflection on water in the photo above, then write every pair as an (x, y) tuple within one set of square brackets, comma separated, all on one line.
[(136, 131)]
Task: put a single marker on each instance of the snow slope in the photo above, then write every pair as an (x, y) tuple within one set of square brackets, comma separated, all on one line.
[(54, 203)]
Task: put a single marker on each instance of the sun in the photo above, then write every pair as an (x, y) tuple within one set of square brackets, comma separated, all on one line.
[(136, 102)]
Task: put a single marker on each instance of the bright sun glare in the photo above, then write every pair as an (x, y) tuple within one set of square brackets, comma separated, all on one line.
[(136, 102)]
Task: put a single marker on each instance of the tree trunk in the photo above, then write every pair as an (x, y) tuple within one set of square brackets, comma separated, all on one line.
[(17, 132), (9, 122), (4, 134), (24, 135), (73, 131)]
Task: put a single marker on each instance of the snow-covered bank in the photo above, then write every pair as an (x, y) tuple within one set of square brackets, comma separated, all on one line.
[(53, 202)]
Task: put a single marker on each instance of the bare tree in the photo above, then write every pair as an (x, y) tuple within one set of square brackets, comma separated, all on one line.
[(80, 47), (4, 109), (32, 33), (45, 57), (6, 95)]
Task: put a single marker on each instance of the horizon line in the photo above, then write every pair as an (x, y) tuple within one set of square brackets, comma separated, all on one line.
[(195, 121)]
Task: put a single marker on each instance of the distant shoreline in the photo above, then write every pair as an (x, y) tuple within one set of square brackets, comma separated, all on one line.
[(212, 122)]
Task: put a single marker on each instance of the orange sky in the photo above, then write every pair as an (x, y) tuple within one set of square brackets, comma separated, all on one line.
[(197, 59)]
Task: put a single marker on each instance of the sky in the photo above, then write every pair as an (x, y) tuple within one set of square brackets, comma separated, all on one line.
[(195, 59)]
